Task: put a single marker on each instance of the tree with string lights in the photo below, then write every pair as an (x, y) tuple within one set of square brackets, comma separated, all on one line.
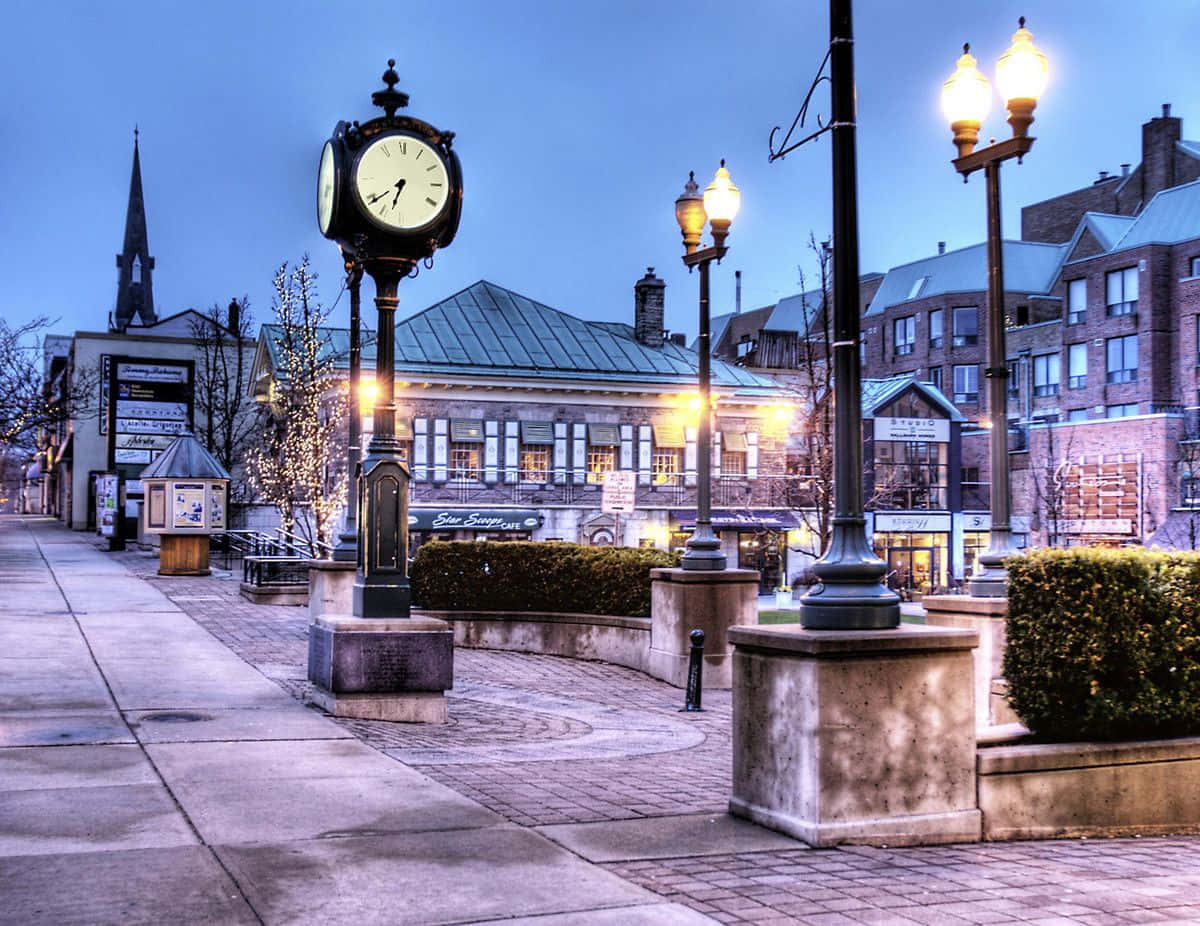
[(299, 465)]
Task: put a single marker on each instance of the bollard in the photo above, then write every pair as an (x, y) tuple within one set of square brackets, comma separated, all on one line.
[(695, 669)]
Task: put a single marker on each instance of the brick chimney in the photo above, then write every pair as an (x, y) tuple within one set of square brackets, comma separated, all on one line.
[(1159, 136), (648, 299)]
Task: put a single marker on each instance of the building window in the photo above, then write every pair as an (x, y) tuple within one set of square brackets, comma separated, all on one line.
[(1124, 410), (537, 439), (1077, 366), (600, 461), (904, 331), (1076, 302), (1014, 379), (1122, 359), (966, 382), (1077, 414), (966, 330), (535, 463), (733, 463), (1021, 318), (911, 475), (918, 287), (666, 465), (1196, 266), (1121, 287), (1189, 490), (464, 462), (935, 328), (935, 377), (1046, 374)]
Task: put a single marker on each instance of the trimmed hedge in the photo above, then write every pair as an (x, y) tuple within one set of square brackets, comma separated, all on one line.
[(463, 575), (1104, 644)]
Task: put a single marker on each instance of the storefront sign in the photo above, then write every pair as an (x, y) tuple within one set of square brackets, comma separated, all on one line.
[(620, 489), (1095, 526), (745, 519), (977, 522), (920, 429), (473, 519), (913, 523)]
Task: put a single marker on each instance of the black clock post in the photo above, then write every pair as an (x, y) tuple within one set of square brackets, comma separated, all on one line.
[(389, 192)]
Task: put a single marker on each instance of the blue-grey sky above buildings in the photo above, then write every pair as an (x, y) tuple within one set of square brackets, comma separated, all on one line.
[(576, 124)]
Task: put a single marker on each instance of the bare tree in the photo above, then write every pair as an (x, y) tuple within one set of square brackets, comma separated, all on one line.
[(224, 411), (28, 404), (1051, 484), (300, 463)]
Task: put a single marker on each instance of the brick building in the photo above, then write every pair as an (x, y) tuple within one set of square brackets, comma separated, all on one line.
[(1102, 305), (511, 413)]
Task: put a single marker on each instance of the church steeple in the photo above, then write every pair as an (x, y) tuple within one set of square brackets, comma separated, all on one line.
[(135, 289)]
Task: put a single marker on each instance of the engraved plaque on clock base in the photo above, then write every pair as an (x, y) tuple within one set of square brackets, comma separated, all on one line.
[(381, 668)]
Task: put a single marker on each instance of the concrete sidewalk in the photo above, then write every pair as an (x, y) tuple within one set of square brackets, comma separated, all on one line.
[(157, 764), (119, 806)]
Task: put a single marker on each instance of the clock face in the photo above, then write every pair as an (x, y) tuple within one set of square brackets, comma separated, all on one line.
[(401, 182), (325, 189)]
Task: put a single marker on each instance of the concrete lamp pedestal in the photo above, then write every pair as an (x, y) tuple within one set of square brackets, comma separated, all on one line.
[(381, 668), (330, 587), (683, 600), (855, 736), (986, 616)]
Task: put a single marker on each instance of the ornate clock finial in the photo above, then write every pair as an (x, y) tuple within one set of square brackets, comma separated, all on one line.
[(390, 99)]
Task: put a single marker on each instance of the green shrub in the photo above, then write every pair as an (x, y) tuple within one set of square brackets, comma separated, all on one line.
[(1104, 644), (521, 576)]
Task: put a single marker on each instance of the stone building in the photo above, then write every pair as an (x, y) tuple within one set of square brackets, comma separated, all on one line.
[(1102, 306), (512, 413)]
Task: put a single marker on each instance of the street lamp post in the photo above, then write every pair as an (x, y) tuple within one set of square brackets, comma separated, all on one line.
[(850, 594), (717, 206), (1021, 73)]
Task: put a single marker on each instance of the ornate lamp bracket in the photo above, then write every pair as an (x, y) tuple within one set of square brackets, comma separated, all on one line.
[(787, 146)]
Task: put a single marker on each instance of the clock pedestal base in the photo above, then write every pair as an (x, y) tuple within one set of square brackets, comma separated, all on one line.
[(381, 669)]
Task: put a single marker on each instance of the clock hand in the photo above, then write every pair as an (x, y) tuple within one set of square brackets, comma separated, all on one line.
[(376, 198), (399, 188)]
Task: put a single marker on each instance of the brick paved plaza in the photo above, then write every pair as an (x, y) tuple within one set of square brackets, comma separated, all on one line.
[(157, 764), (529, 739)]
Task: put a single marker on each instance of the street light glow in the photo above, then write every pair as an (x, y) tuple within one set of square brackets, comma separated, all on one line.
[(1022, 71)]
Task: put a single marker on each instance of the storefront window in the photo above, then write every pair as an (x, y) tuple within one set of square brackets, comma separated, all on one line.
[(911, 475), (918, 563), (974, 543), (765, 551)]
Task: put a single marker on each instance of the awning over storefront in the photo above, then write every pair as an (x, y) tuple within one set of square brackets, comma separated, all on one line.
[(741, 519), (473, 519)]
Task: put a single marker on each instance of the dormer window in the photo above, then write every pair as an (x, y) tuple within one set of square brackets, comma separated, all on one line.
[(918, 287)]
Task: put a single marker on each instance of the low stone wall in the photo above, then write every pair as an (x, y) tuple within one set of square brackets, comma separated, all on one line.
[(623, 641), (1045, 791)]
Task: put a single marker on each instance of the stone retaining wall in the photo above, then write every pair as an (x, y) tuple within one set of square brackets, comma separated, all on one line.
[(1045, 791), (623, 641)]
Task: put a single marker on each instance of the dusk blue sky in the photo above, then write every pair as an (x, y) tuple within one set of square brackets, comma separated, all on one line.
[(576, 125)]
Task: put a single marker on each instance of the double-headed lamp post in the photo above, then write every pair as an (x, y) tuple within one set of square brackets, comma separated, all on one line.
[(717, 206), (1021, 75)]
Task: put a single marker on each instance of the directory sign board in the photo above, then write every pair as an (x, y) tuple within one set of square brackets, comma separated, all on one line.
[(148, 402)]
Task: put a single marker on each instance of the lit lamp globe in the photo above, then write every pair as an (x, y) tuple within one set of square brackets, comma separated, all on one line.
[(721, 201), (966, 99), (1021, 75), (689, 213)]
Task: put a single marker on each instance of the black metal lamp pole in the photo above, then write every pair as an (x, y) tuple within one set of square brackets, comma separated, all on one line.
[(347, 548), (965, 98), (851, 593), (718, 207)]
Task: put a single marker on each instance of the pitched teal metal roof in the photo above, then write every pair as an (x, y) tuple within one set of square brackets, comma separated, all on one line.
[(878, 392), (1173, 215), (1029, 267), (1189, 147), (1107, 229), (487, 330)]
